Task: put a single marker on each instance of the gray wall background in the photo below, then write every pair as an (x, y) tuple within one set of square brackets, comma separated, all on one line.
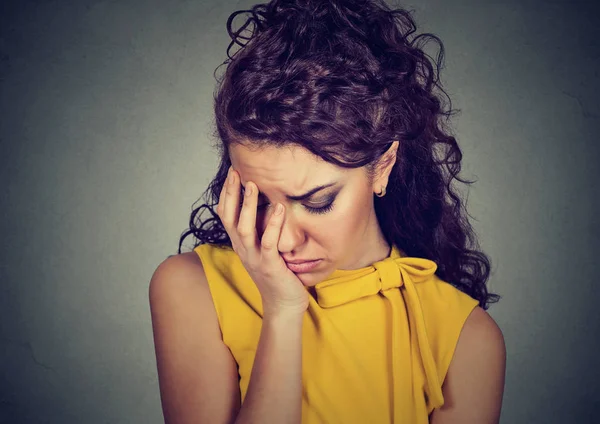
[(105, 144)]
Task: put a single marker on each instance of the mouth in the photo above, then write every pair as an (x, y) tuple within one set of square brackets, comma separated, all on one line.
[(303, 266)]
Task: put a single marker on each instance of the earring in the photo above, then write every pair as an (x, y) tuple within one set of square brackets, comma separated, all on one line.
[(381, 193)]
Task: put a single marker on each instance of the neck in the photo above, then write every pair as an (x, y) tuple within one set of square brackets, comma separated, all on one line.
[(375, 249)]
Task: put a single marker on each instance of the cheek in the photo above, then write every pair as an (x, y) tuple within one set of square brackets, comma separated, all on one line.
[(343, 222), (348, 217)]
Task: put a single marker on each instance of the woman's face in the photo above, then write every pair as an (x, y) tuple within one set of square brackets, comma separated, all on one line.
[(336, 224)]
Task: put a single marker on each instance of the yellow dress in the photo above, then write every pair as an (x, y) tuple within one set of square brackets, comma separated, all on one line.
[(376, 342)]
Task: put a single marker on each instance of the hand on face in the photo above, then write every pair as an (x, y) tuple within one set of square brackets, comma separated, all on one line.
[(281, 290)]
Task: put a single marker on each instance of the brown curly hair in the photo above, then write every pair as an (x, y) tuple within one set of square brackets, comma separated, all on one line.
[(344, 79)]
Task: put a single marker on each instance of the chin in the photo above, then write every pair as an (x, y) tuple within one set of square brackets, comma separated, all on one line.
[(305, 279), (310, 279)]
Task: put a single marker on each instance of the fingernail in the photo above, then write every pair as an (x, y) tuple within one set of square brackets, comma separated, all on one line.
[(278, 209)]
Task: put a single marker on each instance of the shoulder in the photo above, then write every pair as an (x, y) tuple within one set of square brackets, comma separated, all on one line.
[(177, 278), (178, 267), (474, 384), (480, 345), (481, 332)]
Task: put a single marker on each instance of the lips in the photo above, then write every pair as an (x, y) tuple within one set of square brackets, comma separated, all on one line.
[(303, 266), (300, 261)]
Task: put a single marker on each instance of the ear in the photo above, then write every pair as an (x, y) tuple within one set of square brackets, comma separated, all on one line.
[(384, 167)]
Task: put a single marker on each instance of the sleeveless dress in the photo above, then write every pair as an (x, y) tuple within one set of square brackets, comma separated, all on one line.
[(376, 341)]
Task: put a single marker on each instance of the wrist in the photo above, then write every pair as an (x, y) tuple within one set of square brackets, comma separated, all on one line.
[(286, 316)]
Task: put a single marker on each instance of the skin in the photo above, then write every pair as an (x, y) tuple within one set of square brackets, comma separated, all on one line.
[(346, 237), (474, 386)]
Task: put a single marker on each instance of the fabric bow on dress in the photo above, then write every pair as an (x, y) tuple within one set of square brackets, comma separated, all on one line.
[(397, 272)]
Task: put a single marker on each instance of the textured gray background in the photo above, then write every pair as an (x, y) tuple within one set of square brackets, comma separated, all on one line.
[(105, 144)]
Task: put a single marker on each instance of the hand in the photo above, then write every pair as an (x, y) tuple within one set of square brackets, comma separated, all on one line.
[(281, 290)]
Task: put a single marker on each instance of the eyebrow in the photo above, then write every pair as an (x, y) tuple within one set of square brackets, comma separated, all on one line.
[(308, 193)]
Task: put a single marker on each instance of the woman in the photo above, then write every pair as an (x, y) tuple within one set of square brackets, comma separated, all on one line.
[(333, 154)]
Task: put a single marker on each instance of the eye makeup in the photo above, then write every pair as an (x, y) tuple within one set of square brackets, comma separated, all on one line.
[(311, 209), (316, 210), (320, 210), (306, 195)]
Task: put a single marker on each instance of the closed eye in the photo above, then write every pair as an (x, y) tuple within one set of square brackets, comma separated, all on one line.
[(317, 210), (311, 209), (320, 210)]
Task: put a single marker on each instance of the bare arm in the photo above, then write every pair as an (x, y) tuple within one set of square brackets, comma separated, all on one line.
[(197, 374), (275, 388), (474, 385)]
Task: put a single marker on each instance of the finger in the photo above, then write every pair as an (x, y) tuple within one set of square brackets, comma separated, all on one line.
[(233, 197), (247, 219), (270, 239), (222, 198), (229, 210), (229, 214)]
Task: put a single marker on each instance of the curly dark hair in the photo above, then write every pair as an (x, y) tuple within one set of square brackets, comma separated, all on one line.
[(344, 79)]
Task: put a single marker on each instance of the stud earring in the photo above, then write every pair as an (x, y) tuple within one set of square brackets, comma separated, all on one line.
[(381, 193)]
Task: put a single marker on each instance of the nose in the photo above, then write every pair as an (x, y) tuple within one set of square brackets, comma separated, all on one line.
[(292, 234)]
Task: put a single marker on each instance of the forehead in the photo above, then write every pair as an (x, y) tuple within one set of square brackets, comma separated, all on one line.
[(291, 167)]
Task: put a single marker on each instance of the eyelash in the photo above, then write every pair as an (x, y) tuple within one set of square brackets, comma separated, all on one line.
[(317, 211), (320, 211)]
